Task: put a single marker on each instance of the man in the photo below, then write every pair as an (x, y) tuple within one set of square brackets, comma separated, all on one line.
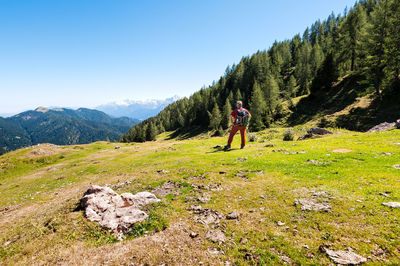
[(240, 118)]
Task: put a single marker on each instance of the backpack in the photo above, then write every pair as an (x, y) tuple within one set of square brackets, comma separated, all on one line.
[(242, 119)]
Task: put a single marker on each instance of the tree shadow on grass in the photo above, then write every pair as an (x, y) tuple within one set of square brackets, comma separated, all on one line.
[(186, 133)]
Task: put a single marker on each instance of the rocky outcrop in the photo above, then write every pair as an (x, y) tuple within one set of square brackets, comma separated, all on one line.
[(113, 211), (385, 126), (315, 131)]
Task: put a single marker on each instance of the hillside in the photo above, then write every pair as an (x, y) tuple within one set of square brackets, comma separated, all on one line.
[(59, 126), (351, 173), (334, 62)]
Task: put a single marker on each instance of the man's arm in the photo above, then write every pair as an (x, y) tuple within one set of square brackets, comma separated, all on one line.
[(231, 118)]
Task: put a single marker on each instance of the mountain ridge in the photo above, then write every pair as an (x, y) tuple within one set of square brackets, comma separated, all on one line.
[(60, 126)]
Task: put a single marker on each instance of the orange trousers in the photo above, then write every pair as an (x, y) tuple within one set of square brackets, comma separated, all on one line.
[(242, 134)]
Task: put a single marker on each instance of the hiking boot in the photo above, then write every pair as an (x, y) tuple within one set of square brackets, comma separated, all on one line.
[(242, 147), (227, 147)]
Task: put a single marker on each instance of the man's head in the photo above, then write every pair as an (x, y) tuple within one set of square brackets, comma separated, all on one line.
[(239, 104)]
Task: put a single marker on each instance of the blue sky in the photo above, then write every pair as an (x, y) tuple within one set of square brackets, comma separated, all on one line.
[(83, 53)]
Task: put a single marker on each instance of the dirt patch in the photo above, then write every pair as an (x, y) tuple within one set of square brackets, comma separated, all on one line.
[(44, 150), (342, 150), (173, 246)]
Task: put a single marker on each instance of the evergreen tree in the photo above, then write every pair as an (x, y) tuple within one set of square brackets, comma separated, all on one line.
[(352, 33), (227, 110), (291, 86), (393, 41), (375, 45), (215, 118), (271, 91), (238, 96), (257, 108), (151, 132)]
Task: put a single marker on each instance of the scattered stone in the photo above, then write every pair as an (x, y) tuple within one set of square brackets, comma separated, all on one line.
[(344, 257), (359, 201), (233, 215), (280, 223), (280, 150), (117, 147), (60, 178), (242, 159), (161, 171), (318, 131), (222, 172), (378, 252), (285, 259), (243, 174), (342, 150), (314, 162), (381, 127), (305, 246), (193, 234), (313, 205), (243, 241), (270, 145), (169, 187), (211, 187), (262, 196), (384, 194), (321, 194), (117, 186), (207, 216), (204, 198), (216, 236), (113, 211), (396, 166), (392, 204)]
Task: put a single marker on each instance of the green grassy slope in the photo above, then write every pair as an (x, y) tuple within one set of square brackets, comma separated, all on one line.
[(40, 190)]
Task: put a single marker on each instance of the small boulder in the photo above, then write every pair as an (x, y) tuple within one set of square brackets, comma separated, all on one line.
[(397, 124), (216, 236), (113, 211), (233, 215), (318, 131), (392, 204), (344, 257), (313, 205), (382, 127)]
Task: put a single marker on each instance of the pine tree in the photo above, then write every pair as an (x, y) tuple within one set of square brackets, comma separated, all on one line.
[(215, 118), (352, 33), (257, 108), (291, 86), (151, 132), (393, 41), (227, 110), (271, 91), (238, 95), (375, 43)]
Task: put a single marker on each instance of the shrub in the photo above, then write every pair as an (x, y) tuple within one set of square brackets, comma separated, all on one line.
[(288, 135), (252, 137)]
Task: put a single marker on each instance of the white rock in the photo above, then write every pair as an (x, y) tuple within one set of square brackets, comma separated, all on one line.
[(115, 212), (392, 204)]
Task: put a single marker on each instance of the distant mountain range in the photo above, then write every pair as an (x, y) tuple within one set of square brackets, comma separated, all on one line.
[(60, 126), (136, 109)]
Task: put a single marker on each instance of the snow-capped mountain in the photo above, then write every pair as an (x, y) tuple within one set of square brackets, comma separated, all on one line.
[(135, 108)]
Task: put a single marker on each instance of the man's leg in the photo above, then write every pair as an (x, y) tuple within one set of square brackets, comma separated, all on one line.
[(232, 134), (243, 136)]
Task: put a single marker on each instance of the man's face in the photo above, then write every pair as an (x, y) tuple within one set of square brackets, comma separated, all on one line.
[(238, 105)]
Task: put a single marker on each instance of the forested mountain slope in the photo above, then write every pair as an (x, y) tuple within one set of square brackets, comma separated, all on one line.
[(59, 126), (332, 63)]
